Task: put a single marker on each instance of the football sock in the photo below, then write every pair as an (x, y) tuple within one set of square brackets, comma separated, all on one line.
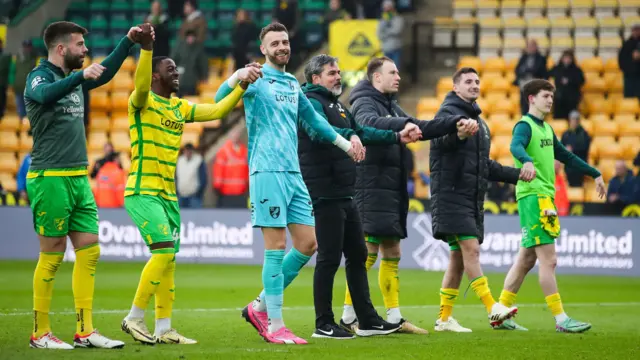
[(390, 287), (151, 277), (480, 286), (447, 299), (507, 298), (291, 265), (348, 314), (393, 315), (371, 260), (43, 280), (555, 305), (83, 284), (165, 296), (273, 282)]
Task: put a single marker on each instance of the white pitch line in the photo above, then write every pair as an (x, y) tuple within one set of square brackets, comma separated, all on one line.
[(24, 312)]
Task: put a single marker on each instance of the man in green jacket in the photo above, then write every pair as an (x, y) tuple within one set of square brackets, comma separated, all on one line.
[(57, 184), (25, 62)]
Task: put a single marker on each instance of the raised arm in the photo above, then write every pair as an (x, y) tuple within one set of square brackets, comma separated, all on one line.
[(142, 80), (208, 112), (321, 126), (112, 63), (42, 88)]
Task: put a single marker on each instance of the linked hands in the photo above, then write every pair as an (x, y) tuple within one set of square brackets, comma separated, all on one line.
[(467, 128), (357, 151), (410, 133)]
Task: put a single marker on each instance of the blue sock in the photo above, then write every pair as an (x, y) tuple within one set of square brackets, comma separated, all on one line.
[(291, 265), (273, 282)]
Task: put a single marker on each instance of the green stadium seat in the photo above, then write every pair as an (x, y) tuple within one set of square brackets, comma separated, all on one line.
[(118, 25), (267, 5), (98, 23), (78, 8), (207, 6), (212, 24), (228, 5), (120, 5), (313, 5), (99, 5), (80, 20), (250, 5)]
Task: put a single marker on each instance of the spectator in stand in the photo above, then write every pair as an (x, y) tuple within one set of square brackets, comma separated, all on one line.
[(25, 62), (389, 32), (562, 199), (335, 12), (160, 22), (5, 65), (191, 178), (244, 32), (21, 178), (569, 79), (622, 186), (109, 153), (577, 140), (175, 9), (629, 61), (532, 65), (192, 63), (231, 172), (194, 22), (111, 180)]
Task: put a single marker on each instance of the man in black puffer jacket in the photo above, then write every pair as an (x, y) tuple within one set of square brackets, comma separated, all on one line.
[(330, 177), (381, 182), (460, 169)]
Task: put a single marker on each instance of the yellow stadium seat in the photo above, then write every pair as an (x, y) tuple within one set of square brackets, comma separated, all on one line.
[(10, 122), (510, 8), (609, 25), (599, 116), (8, 162), (120, 140), (630, 128), (96, 141), (581, 8), (129, 65), (585, 47), (594, 84), (608, 168), (99, 121), (502, 142), (587, 125), (191, 137), (500, 85), (502, 117), (486, 8), (512, 47), (628, 106), (614, 97), (9, 141), (122, 81), (584, 26), (533, 8), (613, 81), (8, 182), (598, 143), (557, 8), (629, 15), (490, 46), (513, 27), (605, 8), (485, 106), (501, 127), (503, 107), (100, 102), (629, 146), (26, 125), (506, 160), (592, 64), (559, 126), (609, 46), (444, 85), (575, 194), (561, 26), (428, 104), (120, 123), (611, 65), (26, 142), (463, 8), (421, 115), (470, 61), (606, 128), (558, 45), (120, 100)]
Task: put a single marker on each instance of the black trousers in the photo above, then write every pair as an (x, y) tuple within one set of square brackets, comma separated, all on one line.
[(339, 231)]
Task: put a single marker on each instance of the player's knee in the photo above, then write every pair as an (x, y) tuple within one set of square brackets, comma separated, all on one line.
[(470, 249), (391, 249), (309, 247), (528, 263)]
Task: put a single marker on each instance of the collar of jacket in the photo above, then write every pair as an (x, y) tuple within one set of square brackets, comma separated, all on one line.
[(471, 109), (320, 90), (54, 68)]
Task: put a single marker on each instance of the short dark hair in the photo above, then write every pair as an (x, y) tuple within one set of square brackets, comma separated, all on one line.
[(375, 64), (464, 70), (275, 27), (315, 66), (156, 61), (56, 31), (534, 87)]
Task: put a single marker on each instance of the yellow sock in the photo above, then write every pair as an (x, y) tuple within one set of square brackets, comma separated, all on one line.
[(83, 285), (151, 277), (43, 280), (481, 287), (389, 282), (165, 294), (371, 260), (507, 298), (555, 304), (447, 299)]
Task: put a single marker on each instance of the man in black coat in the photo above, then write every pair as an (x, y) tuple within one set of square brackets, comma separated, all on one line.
[(330, 178), (381, 182), (460, 169)]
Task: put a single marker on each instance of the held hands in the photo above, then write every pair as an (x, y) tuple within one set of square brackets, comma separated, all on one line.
[(467, 128), (601, 189), (410, 133), (528, 172), (250, 73), (357, 151), (143, 34)]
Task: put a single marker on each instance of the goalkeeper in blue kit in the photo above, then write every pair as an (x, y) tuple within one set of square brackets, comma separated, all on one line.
[(279, 197)]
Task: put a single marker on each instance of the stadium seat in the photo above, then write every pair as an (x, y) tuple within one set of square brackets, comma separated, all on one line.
[(490, 47), (606, 128), (611, 65), (100, 103), (25, 126), (428, 104), (10, 122), (512, 47), (96, 140), (500, 117), (503, 107), (559, 45), (598, 143), (9, 163), (506, 160), (486, 8), (628, 9), (592, 64), (496, 64), (490, 26), (120, 123), (628, 106), (485, 106), (533, 8), (585, 47), (9, 141), (605, 8), (501, 127), (609, 26), (581, 8), (123, 81), (561, 27), (129, 65), (537, 27), (594, 84), (609, 46), (630, 128), (513, 27), (575, 194), (502, 142), (607, 168), (120, 100), (557, 8), (8, 182), (559, 126), (463, 9), (585, 27), (614, 82), (444, 85), (471, 61), (628, 20), (26, 142), (587, 125), (510, 9), (120, 140), (99, 121), (630, 146), (599, 116)]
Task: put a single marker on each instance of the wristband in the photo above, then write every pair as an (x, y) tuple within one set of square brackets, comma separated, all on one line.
[(342, 143), (233, 80)]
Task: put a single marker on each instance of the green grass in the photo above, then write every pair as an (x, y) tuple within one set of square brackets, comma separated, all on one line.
[(208, 298)]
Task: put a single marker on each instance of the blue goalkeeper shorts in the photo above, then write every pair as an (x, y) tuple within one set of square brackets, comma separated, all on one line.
[(279, 199)]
